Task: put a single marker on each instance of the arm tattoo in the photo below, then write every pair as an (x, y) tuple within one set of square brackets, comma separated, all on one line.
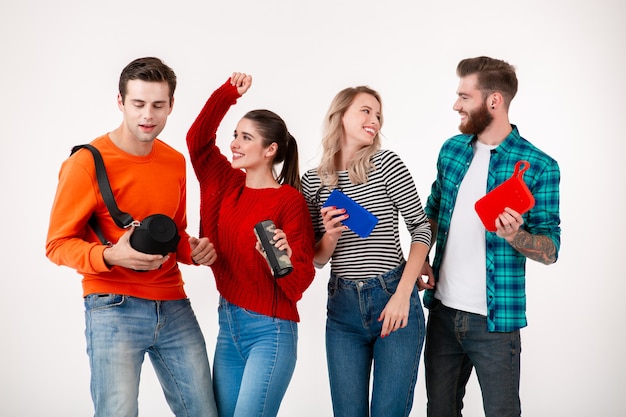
[(538, 248)]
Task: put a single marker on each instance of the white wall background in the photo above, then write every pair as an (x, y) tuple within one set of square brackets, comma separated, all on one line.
[(60, 66)]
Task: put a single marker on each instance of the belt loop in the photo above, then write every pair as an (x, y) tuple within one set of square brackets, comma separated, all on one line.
[(381, 279)]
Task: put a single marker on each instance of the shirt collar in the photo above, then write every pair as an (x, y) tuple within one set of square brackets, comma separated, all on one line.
[(506, 143)]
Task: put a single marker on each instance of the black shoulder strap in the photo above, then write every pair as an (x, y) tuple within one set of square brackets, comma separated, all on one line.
[(122, 219)]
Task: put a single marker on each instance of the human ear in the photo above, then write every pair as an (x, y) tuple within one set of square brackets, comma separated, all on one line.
[(271, 150), (495, 99)]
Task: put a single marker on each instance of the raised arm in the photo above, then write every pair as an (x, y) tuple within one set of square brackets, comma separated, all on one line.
[(202, 133)]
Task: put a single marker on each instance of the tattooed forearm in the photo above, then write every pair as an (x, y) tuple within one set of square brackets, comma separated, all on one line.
[(537, 248)]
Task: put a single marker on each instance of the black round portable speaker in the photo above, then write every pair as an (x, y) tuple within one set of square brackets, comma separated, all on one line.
[(157, 235)]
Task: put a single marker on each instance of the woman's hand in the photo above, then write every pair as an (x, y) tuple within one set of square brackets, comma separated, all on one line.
[(395, 315), (332, 218), (242, 81), (202, 251), (280, 242)]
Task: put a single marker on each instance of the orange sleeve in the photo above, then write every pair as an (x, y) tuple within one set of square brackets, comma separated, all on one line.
[(70, 240)]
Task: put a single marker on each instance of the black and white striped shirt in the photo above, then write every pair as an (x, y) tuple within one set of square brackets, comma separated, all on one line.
[(389, 191)]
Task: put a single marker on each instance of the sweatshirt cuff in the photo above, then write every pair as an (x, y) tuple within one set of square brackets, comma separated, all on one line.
[(96, 258)]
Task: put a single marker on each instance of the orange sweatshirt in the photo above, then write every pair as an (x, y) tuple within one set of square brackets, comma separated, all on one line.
[(141, 185)]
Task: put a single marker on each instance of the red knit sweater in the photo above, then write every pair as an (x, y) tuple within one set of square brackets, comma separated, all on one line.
[(229, 210)]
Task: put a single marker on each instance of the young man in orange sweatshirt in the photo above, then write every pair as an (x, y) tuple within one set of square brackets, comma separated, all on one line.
[(134, 302)]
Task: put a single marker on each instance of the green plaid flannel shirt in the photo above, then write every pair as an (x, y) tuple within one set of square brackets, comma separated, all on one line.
[(506, 280)]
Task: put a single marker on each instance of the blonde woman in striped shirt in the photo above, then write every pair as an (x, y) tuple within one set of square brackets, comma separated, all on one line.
[(374, 314)]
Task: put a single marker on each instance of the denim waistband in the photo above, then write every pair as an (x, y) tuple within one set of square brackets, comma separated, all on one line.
[(376, 281), (225, 303)]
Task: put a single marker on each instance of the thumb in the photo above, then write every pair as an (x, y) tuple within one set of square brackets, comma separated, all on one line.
[(125, 238), (193, 242)]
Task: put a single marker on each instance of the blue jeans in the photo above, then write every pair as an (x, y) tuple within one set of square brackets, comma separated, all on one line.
[(119, 332), (353, 342), (457, 342), (254, 360)]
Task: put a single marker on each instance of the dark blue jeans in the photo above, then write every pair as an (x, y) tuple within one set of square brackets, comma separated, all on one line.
[(457, 342), (353, 343)]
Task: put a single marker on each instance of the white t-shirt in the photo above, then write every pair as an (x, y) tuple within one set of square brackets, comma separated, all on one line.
[(462, 277)]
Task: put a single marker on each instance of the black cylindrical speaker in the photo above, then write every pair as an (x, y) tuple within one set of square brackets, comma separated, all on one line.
[(157, 235)]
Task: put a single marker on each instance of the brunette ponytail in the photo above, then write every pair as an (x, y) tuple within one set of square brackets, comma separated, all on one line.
[(290, 173), (274, 130)]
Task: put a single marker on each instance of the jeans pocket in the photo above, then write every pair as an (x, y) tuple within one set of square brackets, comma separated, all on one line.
[(331, 289), (435, 305), (102, 301), (389, 291), (254, 314), (391, 286)]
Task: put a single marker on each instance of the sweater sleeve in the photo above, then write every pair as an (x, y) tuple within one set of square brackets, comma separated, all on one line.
[(202, 133), (296, 223), (213, 170)]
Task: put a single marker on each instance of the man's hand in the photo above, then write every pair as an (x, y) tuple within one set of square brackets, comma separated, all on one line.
[(122, 254), (508, 223), (536, 247), (427, 271)]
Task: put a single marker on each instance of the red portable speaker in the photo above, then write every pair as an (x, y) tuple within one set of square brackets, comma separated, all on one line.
[(512, 193)]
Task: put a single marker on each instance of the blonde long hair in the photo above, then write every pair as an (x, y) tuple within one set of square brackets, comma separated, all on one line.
[(359, 167)]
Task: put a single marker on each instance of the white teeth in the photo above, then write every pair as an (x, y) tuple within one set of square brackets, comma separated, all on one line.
[(369, 129)]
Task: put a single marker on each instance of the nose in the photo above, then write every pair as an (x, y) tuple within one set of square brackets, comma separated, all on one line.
[(457, 105), (148, 112)]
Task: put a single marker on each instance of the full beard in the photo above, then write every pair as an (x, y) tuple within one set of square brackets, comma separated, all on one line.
[(476, 121)]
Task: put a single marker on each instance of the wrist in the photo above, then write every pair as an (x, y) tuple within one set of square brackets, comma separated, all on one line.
[(106, 255)]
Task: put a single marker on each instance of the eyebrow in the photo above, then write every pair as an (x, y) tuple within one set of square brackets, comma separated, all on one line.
[(243, 132), (136, 100)]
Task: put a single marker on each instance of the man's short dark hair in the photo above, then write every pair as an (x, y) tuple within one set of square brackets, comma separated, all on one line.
[(492, 74), (147, 69)]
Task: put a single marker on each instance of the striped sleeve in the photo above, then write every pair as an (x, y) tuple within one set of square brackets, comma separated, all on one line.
[(403, 193)]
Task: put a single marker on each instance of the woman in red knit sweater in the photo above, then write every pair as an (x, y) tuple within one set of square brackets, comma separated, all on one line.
[(255, 354)]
